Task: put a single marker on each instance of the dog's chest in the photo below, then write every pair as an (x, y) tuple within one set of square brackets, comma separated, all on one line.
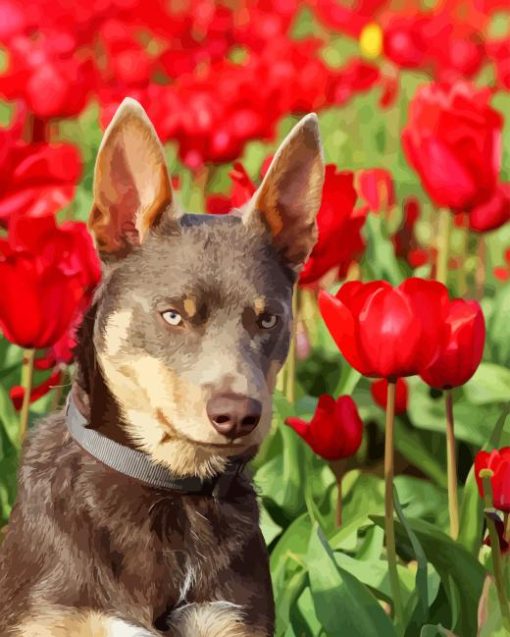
[(180, 554)]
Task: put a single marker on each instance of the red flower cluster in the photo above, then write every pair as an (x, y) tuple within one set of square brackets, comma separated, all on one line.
[(37, 178), (387, 332), (196, 66), (453, 141), (48, 274), (335, 431)]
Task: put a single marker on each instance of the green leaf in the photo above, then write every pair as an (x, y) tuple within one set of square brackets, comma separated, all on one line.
[(278, 479), (285, 599), (303, 616), (489, 612), (498, 328), (343, 605), (411, 445), (374, 575), (380, 254), (473, 422), (436, 631), (490, 384), (347, 382), (9, 419), (422, 499), (270, 530), (8, 485), (291, 548), (461, 574), (422, 607)]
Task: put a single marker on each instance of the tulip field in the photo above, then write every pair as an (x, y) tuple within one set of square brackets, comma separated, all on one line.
[(385, 481)]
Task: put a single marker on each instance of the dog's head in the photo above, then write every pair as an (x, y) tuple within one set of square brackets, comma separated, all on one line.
[(194, 315)]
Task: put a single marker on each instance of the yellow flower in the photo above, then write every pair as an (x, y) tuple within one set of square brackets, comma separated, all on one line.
[(371, 40)]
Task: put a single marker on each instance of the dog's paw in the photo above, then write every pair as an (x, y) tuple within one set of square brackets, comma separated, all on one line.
[(120, 628)]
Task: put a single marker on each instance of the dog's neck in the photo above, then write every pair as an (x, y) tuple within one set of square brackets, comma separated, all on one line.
[(90, 390)]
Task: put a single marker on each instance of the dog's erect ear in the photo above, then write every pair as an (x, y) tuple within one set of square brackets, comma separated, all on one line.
[(132, 190), (289, 197)]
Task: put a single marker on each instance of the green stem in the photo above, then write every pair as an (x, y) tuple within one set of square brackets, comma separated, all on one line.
[(443, 245), (480, 272), (451, 457), (389, 523), (497, 562), (463, 286), (338, 467), (27, 375)]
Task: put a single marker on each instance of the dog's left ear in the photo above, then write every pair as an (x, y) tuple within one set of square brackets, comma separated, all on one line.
[(289, 197), (132, 190)]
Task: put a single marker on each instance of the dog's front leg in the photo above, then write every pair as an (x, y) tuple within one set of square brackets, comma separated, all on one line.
[(211, 619), (246, 608)]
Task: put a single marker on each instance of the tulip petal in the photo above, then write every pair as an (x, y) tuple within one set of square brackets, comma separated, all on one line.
[(344, 330)]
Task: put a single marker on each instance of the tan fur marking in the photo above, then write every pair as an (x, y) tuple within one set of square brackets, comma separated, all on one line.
[(260, 305), (118, 331), (65, 622), (215, 619), (190, 306)]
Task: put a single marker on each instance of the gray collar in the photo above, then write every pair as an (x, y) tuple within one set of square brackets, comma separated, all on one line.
[(139, 466)]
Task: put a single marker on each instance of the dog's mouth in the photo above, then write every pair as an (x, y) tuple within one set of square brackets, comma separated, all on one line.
[(172, 434)]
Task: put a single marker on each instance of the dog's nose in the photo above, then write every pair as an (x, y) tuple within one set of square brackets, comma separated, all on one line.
[(234, 415)]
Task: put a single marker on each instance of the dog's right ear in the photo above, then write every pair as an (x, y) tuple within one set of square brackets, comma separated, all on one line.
[(132, 189)]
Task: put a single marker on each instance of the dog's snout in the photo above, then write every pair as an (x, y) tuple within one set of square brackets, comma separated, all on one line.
[(234, 415)]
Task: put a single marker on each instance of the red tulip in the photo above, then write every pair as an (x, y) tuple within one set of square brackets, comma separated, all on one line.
[(387, 332), (376, 187), (498, 461), (35, 179), (340, 240), (462, 352), (335, 430), (453, 141), (493, 213), (405, 41), (379, 391), (47, 275)]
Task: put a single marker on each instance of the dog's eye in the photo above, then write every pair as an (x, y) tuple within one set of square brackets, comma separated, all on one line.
[(267, 321), (172, 317)]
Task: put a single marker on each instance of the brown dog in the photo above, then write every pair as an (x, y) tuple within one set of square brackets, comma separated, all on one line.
[(134, 515)]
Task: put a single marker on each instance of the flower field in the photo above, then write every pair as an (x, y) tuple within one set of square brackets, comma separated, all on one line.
[(385, 481)]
